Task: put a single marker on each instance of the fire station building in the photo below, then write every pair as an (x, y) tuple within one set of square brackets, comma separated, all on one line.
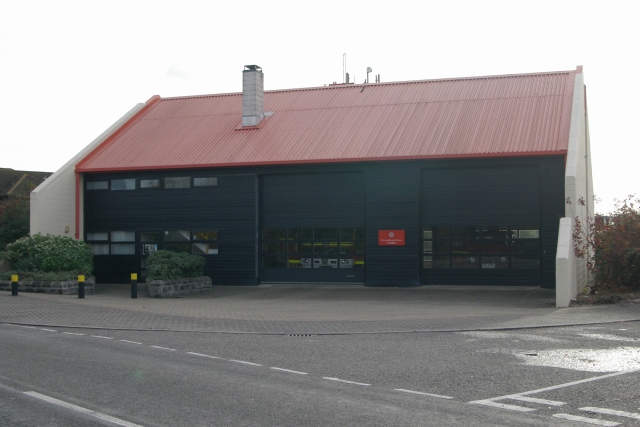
[(451, 181)]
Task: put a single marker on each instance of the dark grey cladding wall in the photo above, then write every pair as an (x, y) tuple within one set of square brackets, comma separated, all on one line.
[(312, 200), (229, 208), (403, 195), (393, 194), (481, 194)]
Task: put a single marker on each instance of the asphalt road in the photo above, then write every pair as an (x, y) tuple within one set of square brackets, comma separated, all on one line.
[(545, 376)]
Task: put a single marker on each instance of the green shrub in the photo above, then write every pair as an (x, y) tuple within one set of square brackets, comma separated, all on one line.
[(50, 254), (25, 264), (164, 265)]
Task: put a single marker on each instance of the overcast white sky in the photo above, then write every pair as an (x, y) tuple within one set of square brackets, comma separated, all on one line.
[(70, 69)]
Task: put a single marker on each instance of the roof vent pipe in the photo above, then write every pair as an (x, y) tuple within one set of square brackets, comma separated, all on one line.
[(252, 95)]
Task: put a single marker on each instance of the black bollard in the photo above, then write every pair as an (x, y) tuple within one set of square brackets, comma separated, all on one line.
[(14, 285), (81, 286), (134, 285)]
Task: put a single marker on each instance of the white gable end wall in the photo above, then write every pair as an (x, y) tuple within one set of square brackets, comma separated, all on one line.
[(571, 272), (53, 203)]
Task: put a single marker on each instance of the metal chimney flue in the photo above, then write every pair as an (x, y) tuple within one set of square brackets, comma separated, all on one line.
[(252, 95)]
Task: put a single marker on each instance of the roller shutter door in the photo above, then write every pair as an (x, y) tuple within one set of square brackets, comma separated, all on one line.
[(312, 228)]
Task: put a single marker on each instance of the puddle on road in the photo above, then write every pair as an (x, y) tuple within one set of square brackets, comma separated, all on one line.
[(503, 335), (610, 337), (589, 360)]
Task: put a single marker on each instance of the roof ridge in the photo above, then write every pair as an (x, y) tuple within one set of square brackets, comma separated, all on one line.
[(360, 85)]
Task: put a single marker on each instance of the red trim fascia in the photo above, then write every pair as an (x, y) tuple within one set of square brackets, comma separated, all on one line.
[(312, 161), (77, 206), (150, 103)]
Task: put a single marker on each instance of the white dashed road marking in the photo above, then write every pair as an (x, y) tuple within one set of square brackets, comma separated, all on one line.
[(586, 420), (534, 400), (245, 363), (586, 380), (48, 330), (288, 370), (493, 401), (611, 412), (423, 393), (99, 336), (82, 410), (131, 342), (162, 348), (204, 355), (72, 333), (494, 404), (345, 381)]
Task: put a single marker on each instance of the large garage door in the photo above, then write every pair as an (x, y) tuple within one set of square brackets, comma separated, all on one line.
[(312, 228), (481, 226)]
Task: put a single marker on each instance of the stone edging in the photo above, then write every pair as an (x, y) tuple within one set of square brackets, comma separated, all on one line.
[(178, 287), (68, 287)]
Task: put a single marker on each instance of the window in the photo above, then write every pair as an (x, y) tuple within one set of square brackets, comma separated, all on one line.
[(98, 236), (177, 247), (149, 243), (313, 248), (123, 248), (205, 242), (177, 240), (490, 247), (99, 248), (525, 248), (123, 184), (98, 242), (177, 182), (436, 247), (123, 242), (98, 185), (149, 248), (149, 183), (123, 236), (205, 182), (112, 243), (177, 236), (149, 236), (495, 248), (351, 249)]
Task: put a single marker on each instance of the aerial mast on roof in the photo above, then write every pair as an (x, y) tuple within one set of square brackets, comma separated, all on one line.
[(345, 78), (345, 75)]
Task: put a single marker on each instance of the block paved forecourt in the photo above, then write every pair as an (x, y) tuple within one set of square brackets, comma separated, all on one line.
[(310, 309)]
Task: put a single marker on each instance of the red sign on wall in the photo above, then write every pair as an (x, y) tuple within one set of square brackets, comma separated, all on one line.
[(390, 237)]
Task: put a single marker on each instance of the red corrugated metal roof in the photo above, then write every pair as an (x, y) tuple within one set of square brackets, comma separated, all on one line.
[(512, 115)]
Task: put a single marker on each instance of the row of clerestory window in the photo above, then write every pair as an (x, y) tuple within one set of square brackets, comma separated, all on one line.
[(197, 242), (168, 183)]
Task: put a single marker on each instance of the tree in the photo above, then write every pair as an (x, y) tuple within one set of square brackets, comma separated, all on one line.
[(14, 219), (611, 245)]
